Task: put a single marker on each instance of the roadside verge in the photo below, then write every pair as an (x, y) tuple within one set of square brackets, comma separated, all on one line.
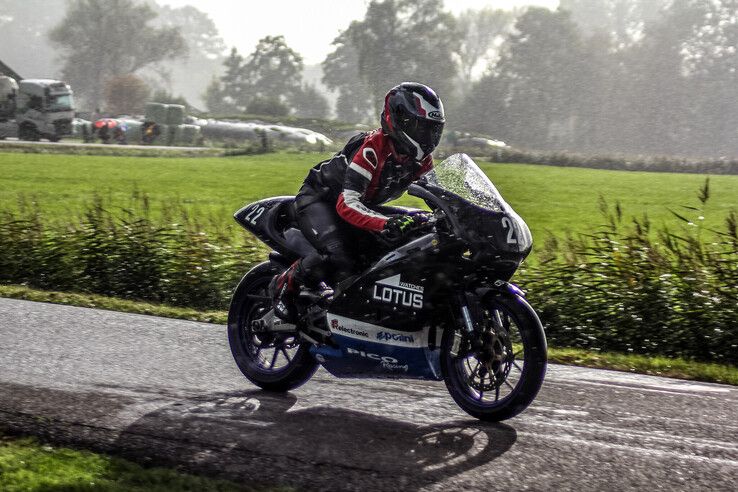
[(653, 365)]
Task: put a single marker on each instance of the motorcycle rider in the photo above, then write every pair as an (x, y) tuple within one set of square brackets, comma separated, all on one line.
[(343, 195)]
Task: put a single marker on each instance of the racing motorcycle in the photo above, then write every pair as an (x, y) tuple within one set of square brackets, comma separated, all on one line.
[(436, 305)]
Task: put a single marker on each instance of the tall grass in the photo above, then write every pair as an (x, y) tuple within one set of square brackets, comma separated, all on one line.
[(628, 288), (624, 288), (123, 252)]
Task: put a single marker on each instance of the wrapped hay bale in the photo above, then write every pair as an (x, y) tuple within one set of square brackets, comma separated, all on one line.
[(175, 114), (190, 134), (157, 112)]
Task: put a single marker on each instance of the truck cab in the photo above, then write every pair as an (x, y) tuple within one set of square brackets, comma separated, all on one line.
[(44, 108)]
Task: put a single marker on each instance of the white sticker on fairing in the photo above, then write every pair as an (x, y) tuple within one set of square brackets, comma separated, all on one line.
[(360, 330), (393, 290)]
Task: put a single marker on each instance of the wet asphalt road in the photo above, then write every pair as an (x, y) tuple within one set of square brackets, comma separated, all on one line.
[(165, 391)]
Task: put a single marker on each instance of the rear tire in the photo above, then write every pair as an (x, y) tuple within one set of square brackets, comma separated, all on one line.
[(519, 374), (298, 364)]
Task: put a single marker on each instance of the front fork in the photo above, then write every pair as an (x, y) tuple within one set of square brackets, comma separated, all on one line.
[(464, 339), (474, 335)]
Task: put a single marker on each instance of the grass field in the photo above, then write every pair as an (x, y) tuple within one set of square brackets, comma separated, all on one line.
[(548, 198), (27, 465)]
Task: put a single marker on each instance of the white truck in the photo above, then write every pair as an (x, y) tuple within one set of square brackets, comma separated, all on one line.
[(35, 108)]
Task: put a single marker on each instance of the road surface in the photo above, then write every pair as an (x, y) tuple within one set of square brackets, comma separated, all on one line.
[(165, 391)]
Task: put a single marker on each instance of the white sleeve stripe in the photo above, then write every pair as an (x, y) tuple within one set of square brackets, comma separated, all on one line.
[(360, 170), (352, 199)]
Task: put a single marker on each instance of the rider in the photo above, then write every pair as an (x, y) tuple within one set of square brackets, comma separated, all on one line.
[(345, 192)]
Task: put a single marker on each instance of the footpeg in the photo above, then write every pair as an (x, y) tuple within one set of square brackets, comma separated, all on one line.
[(270, 323)]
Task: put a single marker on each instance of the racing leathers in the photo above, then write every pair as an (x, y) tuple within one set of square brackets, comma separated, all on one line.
[(343, 196)]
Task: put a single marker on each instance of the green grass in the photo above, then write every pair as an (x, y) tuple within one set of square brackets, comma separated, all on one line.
[(89, 150), (111, 304), (642, 364), (548, 198), (658, 366), (27, 466)]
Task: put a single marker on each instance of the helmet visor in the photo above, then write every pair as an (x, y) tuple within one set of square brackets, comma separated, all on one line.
[(426, 133)]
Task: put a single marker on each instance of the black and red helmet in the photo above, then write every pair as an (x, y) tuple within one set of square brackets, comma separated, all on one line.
[(413, 117)]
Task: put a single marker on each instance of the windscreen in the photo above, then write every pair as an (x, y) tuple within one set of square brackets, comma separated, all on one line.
[(461, 176), (61, 102)]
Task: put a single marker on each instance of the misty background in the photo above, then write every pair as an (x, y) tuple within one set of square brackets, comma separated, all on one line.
[(653, 77)]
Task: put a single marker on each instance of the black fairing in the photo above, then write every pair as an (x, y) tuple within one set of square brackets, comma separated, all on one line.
[(273, 221), (421, 275)]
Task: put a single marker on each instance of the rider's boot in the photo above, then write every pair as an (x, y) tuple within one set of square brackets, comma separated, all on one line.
[(290, 284), (321, 294), (283, 289)]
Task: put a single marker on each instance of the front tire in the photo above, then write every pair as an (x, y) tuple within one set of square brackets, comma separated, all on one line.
[(500, 379), (258, 354)]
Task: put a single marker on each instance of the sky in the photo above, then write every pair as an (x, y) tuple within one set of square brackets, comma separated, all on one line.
[(309, 27)]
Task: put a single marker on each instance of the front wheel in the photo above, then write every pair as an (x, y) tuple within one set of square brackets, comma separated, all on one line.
[(495, 374), (273, 361)]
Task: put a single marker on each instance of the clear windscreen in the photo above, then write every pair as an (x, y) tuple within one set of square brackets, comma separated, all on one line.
[(461, 176)]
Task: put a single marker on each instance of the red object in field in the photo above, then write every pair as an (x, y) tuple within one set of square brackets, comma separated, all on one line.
[(109, 122)]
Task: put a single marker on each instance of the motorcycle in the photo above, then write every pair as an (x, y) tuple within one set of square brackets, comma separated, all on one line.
[(437, 305)]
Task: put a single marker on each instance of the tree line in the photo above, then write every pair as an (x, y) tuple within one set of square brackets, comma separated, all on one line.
[(615, 76)]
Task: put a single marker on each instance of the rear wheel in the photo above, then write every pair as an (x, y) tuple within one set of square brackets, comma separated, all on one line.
[(272, 361), (499, 375)]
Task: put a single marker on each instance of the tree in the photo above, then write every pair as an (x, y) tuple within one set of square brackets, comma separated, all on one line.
[(309, 103), (545, 76), (215, 100), (126, 94), (273, 69), (397, 41), (231, 93), (341, 74), (622, 21), (267, 105), (206, 50), (269, 77), (482, 32), (102, 39), (710, 61)]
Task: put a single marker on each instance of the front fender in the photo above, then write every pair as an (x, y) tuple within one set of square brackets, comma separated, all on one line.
[(501, 287)]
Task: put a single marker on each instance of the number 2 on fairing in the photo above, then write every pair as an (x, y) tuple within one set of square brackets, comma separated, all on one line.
[(254, 214), (507, 224)]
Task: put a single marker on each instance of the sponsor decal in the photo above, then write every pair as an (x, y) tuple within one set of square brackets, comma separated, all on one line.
[(336, 326), (361, 330), (395, 367), (384, 359), (436, 115), (396, 337), (393, 290)]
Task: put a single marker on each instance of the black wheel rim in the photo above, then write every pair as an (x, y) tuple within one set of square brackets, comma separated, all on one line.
[(267, 352), (492, 374)]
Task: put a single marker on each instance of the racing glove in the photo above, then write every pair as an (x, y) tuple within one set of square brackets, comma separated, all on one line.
[(397, 225), (420, 216)]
